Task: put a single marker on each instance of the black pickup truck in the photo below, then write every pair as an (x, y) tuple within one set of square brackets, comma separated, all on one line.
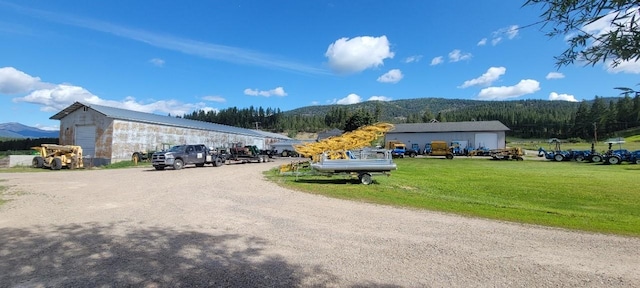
[(181, 155)]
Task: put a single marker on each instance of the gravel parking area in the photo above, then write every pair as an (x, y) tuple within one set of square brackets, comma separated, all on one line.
[(228, 227)]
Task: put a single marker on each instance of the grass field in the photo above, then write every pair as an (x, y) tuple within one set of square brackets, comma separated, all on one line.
[(581, 196)]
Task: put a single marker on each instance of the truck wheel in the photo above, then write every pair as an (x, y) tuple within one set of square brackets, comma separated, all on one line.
[(218, 162), (178, 164), (365, 178), (56, 164), (558, 157), (37, 162), (449, 156)]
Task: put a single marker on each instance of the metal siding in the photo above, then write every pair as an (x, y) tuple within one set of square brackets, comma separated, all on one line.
[(487, 140), (130, 136), (423, 138)]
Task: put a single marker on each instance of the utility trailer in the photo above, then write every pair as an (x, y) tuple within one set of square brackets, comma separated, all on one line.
[(239, 153), (361, 163)]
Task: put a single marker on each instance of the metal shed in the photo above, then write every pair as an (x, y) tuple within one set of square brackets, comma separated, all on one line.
[(108, 135), (471, 134)]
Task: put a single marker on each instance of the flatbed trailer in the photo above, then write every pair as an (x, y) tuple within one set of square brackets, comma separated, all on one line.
[(363, 164)]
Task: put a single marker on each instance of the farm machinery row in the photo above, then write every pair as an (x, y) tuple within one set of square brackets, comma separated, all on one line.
[(611, 156)]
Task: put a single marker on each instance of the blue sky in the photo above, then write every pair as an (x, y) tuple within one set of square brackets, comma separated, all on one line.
[(176, 57)]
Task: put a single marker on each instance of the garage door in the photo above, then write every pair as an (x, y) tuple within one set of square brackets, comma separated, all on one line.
[(86, 138), (487, 140)]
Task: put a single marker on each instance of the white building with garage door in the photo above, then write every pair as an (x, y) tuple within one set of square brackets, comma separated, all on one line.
[(471, 135), (108, 135)]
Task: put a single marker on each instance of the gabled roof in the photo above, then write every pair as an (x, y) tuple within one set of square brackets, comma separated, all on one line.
[(129, 115), (468, 126)]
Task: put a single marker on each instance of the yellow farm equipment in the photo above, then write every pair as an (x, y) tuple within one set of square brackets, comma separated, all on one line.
[(55, 156), (507, 153)]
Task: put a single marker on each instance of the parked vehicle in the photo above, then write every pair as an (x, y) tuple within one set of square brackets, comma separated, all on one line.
[(439, 148), (399, 149), (557, 154), (181, 155), (143, 156), (515, 153), (246, 153), (56, 157)]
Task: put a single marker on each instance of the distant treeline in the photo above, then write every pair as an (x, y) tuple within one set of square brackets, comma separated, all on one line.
[(25, 144), (601, 117)]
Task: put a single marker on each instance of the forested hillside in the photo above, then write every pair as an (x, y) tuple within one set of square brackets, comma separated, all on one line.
[(525, 118)]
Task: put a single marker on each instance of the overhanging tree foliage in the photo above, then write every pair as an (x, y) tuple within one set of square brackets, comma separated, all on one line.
[(597, 30)]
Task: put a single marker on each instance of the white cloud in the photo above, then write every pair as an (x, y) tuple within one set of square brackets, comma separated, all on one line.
[(315, 103), (482, 42), (47, 127), (214, 98), (629, 67), (157, 62), (358, 54), (13, 81), (509, 32), (457, 55), (524, 87), (414, 58), (436, 61), (553, 96), (55, 97), (278, 91), (492, 74), (379, 98), (350, 99), (393, 76), (554, 75)]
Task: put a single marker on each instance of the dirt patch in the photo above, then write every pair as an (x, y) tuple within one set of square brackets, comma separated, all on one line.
[(229, 227)]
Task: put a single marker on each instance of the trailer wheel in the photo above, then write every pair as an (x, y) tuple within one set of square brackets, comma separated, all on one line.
[(37, 162), (365, 178), (449, 156), (519, 158), (613, 160), (178, 164), (558, 157), (596, 158), (56, 164)]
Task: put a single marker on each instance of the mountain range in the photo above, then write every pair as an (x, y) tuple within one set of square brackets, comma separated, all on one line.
[(17, 130)]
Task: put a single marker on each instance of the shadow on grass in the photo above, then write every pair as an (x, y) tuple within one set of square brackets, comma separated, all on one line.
[(92, 255), (336, 181)]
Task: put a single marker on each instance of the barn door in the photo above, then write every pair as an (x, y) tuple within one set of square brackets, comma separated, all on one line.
[(486, 140), (86, 138)]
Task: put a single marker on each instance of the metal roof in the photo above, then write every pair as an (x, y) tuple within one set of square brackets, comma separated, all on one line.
[(129, 115), (468, 126), (272, 135)]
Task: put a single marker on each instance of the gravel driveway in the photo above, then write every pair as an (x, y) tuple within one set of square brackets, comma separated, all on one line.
[(228, 227)]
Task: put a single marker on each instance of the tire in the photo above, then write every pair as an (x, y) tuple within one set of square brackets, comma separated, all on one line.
[(218, 162), (558, 157), (37, 162), (413, 155), (613, 160), (178, 164), (519, 158), (365, 178), (579, 158), (638, 161), (159, 167), (56, 164), (135, 158), (449, 156), (596, 158), (284, 153)]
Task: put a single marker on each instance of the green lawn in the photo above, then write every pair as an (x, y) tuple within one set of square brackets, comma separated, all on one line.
[(582, 196)]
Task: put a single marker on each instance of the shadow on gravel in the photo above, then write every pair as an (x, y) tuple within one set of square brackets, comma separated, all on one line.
[(91, 255)]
